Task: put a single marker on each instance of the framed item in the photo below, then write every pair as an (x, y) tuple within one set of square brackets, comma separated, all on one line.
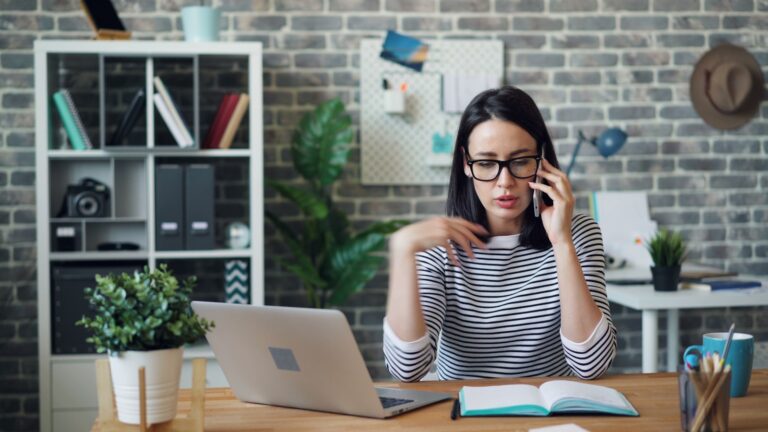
[(104, 20)]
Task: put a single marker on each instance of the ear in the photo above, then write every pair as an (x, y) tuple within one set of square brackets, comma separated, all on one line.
[(467, 170)]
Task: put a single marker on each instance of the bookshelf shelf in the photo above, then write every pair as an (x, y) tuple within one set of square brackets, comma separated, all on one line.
[(103, 79)]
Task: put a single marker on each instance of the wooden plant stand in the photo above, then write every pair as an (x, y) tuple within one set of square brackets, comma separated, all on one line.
[(107, 420)]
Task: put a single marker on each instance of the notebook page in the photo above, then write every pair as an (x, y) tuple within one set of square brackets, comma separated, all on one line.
[(479, 398), (553, 391)]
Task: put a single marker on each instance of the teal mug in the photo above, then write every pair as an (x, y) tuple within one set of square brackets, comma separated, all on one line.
[(200, 23), (739, 357)]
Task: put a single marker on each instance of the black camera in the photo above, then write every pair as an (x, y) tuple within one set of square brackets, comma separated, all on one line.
[(89, 198)]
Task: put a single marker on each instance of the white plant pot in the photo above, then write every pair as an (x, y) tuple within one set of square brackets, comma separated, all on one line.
[(162, 373)]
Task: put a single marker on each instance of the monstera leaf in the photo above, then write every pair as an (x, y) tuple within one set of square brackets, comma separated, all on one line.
[(321, 144)]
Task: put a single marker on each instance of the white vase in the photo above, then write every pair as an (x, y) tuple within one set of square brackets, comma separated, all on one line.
[(162, 373)]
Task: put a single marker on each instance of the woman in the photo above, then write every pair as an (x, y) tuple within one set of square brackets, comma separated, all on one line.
[(493, 290)]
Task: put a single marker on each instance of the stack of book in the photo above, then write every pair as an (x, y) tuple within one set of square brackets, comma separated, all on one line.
[(171, 115), (70, 119), (226, 121)]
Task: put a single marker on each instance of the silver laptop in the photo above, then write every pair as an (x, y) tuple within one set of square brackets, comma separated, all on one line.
[(300, 358)]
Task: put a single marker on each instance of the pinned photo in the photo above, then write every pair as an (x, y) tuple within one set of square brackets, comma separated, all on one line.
[(404, 50)]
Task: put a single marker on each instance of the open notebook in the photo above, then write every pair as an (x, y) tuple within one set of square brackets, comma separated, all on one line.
[(551, 397)]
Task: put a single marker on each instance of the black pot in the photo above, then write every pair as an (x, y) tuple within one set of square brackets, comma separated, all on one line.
[(665, 278)]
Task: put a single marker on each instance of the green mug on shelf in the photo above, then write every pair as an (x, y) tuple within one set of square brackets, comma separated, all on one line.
[(200, 23)]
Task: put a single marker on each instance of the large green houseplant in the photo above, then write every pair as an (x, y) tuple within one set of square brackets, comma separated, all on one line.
[(143, 319), (668, 251), (331, 261)]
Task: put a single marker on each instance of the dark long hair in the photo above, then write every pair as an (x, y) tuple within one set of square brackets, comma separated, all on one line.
[(514, 105)]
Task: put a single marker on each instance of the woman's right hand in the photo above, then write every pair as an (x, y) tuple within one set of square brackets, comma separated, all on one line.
[(438, 231)]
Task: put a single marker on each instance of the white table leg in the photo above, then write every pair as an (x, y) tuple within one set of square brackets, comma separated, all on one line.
[(673, 339), (650, 340)]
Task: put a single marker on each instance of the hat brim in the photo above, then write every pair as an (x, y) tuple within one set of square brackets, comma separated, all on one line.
[(701, 103)]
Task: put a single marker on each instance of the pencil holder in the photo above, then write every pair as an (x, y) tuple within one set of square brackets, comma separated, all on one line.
[(394, 101), (704, 400)]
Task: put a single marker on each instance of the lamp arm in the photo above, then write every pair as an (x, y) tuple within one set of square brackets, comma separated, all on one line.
[(582, 138)]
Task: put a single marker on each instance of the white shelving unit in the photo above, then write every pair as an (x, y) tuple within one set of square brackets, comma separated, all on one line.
[(67, 381)]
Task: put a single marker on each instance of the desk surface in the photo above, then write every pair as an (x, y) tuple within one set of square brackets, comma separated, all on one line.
[(645, 297), (654, 396)]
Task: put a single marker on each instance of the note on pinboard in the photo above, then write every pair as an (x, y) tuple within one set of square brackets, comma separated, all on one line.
[(397, 148)]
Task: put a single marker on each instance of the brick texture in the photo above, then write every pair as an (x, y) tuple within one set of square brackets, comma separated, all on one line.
[(589, 64)]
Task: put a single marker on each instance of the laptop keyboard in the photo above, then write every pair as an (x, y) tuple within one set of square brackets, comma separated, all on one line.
[(389, 402)]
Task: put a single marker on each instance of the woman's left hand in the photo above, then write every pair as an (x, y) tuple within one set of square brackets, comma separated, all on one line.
[(557, 217)]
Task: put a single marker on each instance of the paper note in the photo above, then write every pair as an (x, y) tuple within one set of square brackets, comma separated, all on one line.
[(569, 427)]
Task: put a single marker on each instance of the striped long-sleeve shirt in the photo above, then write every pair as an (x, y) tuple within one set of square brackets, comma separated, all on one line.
[(499, 315)]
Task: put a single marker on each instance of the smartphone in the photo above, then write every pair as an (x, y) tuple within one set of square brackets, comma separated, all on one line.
[(536, 192)]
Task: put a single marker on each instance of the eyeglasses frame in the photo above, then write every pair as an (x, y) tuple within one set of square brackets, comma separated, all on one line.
[(501, 165)]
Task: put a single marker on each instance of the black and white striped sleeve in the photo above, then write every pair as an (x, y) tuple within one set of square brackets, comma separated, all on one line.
[(410, 361), (589, 359)]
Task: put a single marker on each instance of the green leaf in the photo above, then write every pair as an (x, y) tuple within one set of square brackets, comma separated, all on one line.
[(307, 274), (309, 203), (298, 252), (354, 278), (320, 146), (338, 225), (359, 246)]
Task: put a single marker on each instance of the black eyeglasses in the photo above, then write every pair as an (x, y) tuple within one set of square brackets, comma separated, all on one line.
[(489, 169)]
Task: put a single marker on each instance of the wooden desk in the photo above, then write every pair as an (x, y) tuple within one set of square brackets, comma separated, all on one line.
[(653, 395)]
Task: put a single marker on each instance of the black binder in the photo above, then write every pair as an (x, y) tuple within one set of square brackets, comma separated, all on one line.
[(199, 185), (169, 207), (68, 302)]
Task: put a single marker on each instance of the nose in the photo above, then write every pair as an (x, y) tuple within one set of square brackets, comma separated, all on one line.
[(505, 177)]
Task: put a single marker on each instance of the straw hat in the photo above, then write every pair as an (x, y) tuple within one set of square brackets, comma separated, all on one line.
[(727, 87)]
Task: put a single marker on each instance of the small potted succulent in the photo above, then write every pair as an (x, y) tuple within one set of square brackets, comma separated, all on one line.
[(668, 251), (143, 319)]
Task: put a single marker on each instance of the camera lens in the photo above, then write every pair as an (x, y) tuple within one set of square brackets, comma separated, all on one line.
[(87, 204)]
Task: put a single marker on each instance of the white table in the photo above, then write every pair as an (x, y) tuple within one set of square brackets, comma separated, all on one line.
[(650, 302)]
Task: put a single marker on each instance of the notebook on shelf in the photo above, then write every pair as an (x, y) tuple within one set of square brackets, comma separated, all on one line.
[(165, 113), (70, 119), (553, 397), (175, 115), (234, 121), (129, 119), (220, 120)]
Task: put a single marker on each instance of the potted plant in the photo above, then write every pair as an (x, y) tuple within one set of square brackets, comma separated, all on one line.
[(331, 261), (200, 22), (668, 251), (143, 319)]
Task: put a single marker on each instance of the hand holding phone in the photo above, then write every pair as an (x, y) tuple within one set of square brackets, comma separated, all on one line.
[(536, 192)]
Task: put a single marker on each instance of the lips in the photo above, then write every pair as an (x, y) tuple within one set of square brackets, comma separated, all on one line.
[(506, 201)]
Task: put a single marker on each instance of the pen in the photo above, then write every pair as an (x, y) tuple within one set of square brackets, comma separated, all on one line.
[(728, 343), (455, 409)]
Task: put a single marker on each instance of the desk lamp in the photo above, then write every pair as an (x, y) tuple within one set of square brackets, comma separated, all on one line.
[(608, 142)]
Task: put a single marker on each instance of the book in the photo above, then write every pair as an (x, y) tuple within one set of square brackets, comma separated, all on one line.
[(165, 113), (720, 284), (556, 396), (234, 121), (70, 119), (174, 111), (216, 130), (129, 119)]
